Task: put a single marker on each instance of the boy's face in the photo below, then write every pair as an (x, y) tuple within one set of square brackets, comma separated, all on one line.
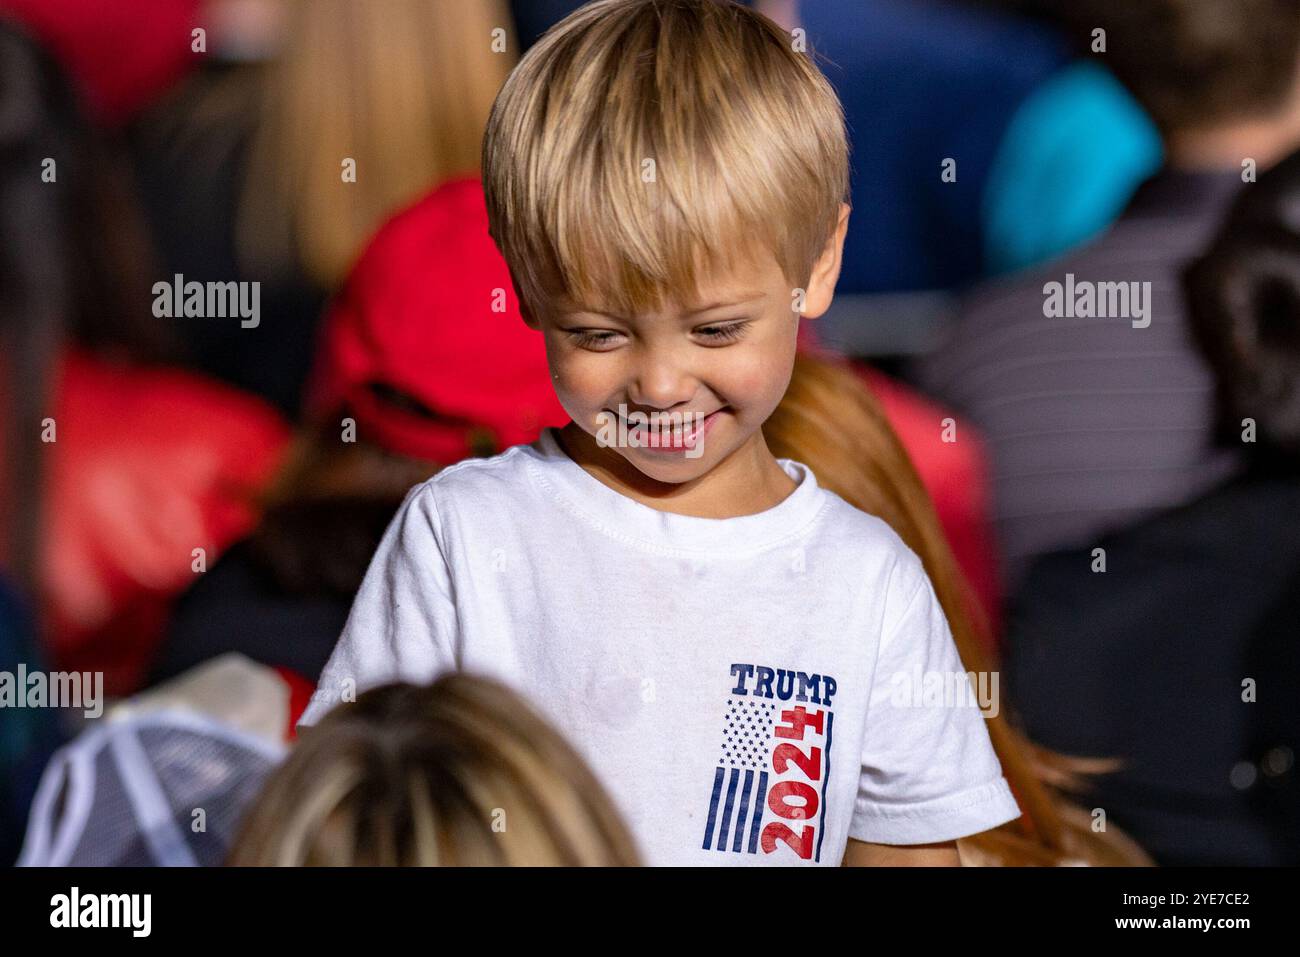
[(718, 366)]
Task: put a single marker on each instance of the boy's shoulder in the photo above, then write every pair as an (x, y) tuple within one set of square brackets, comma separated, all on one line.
[(491, 477), (846, 521), (860, 540)]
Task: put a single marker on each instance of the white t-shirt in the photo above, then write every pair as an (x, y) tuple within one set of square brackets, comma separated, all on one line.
[(749, 690)]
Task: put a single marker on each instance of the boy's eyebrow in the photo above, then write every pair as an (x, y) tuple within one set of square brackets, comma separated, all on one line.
[(566, 306), (592, 311), (745, 299)]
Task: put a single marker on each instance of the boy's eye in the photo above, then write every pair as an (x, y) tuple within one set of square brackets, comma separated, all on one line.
[(723, 331), (598, 340)]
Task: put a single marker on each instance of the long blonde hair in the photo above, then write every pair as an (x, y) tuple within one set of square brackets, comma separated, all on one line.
[(831, 422), (402, 87), (458, 773)]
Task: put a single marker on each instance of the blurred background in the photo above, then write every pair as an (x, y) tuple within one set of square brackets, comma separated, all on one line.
[(178, 512)]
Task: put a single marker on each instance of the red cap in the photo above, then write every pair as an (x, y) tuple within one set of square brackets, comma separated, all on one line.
[(122, 54), (416, 315)]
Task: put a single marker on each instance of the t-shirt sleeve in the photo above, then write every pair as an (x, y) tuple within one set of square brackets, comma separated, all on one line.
[(402, 621), (929, 771)]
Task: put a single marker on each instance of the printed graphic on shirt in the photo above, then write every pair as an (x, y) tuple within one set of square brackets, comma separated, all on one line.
[(769, 788)]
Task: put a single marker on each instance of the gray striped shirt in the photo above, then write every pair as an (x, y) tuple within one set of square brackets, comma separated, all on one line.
[(1091, 422)]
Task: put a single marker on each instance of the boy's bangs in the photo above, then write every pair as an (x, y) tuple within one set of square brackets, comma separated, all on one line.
[(637, 256), (641, 149)]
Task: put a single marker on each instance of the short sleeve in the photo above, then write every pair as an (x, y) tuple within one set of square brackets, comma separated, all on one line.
[(929, 772), (403, 619)]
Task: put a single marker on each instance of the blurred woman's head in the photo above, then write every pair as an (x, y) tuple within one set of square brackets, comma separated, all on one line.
[(1244, 302), (397, 91), (459, 773), (1194, 65)]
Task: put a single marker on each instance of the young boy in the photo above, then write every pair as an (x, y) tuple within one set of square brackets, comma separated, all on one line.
[(729, 644)]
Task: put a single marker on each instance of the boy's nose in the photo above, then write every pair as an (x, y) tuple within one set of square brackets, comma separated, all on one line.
[(662, 385)]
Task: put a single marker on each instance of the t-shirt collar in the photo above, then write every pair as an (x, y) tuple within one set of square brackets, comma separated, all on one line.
[(589, 499)]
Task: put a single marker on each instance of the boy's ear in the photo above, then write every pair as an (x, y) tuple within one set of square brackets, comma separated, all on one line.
[(826, 271)]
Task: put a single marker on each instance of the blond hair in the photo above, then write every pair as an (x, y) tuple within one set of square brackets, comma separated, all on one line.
[(830, 421), (642, 143), (402, 87), (458, 773)]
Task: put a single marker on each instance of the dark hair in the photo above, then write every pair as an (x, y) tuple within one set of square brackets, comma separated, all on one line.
[(331, 501), (1244, 306), (76, 248), (326, 511), (74, 263), (1192, 62)]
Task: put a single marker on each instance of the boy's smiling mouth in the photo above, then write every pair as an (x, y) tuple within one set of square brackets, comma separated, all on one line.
[(664, 432)]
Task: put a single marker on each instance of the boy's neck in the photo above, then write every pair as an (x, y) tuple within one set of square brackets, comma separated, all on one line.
[(746, 482)]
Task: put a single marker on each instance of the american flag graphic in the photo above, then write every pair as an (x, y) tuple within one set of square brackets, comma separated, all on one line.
[(769, 785), (742, 770)]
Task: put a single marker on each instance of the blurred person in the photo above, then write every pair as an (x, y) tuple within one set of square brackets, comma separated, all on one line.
[(120, 473), (1002, 98), (28, 736), (427, 72), (120, 55), (460, 773), (133, 791), (577, 569), (830, 420), (1080, 373), (1071, 156), (404, 358), (309, 124), (123, 792), (1182, 655)]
